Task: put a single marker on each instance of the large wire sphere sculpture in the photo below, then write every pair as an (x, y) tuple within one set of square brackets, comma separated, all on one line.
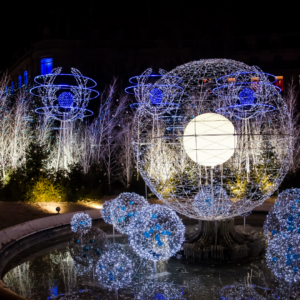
[(282, 229), (81, 223), (64, 96), (114, 269), (124, 208), (157, 233), (257, 135), (155, 92)]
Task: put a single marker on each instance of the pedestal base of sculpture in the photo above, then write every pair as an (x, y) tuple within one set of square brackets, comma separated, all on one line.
[(220, 242)]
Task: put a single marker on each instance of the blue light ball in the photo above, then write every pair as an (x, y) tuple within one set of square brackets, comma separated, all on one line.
[(274, 259), (246, 96), (295, 269), (160, 243), (157, 237), (273, 232), (66, 99), (155, 96), (146, 234)]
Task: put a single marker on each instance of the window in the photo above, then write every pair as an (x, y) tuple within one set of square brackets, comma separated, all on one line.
[(25, 78), (279, 82), (46, 65), (20, 81)]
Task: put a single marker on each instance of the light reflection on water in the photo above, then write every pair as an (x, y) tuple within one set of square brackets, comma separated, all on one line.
[(56, 274)]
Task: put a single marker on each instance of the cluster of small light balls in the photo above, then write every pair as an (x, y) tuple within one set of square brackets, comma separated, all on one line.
[(282, 228), (155, 231), (81, 223)]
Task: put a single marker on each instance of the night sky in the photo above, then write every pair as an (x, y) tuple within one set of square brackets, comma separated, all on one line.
[(22, 24)]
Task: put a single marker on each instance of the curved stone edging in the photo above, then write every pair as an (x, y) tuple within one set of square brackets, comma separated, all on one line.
[(23, 230)]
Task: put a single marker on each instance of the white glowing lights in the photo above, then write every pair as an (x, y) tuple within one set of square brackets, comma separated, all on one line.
[(124, 208), (81, 222), (209, 139), (114, 269), (157, 233), (282, 228)]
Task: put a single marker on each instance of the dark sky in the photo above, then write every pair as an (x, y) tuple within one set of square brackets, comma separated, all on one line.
[(21, 23)]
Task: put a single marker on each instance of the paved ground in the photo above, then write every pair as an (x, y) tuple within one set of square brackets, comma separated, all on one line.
[(12, 213)]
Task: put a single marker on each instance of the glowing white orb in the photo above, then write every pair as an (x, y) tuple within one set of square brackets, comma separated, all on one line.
[(209, 139)]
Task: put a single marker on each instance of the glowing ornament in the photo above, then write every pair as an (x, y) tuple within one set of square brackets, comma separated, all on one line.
[(124, 208), (282, 230), (156, 96), (246, 96), (156, 233), (81, 223), (66, 99), (209, 139)]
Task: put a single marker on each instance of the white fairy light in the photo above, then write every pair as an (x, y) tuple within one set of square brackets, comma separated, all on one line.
[(114, 269), (282, 228), (261, 143), (81, 223), (157, 233), (124, 208)]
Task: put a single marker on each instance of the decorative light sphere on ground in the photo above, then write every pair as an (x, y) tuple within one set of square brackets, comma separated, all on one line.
[(250, 167), (157, 233), (114, 269), (124, 208), (282, 227), (81, 223)]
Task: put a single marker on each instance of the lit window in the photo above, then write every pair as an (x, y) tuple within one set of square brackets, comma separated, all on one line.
[(12, 87), (46, 65), (20, 81), (25, 77), (279, 82), (230, 79)]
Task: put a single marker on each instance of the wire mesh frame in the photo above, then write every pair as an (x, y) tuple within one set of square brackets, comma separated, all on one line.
[(249, 177)]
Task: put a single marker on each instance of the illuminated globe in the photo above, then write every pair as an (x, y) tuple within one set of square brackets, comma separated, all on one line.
[(156, 95), (65, 99), (247, 96), (199, 144)]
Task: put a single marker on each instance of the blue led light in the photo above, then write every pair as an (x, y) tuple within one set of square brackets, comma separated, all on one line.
[(66, 99), (156, 96), (246, 96)]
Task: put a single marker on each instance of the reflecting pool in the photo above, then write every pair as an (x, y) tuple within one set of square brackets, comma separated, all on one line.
[(57, 264)]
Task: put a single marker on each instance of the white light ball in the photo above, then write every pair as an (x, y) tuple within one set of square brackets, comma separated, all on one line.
[(209, 139), (124, 208), (157, 233), (81, 222)]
